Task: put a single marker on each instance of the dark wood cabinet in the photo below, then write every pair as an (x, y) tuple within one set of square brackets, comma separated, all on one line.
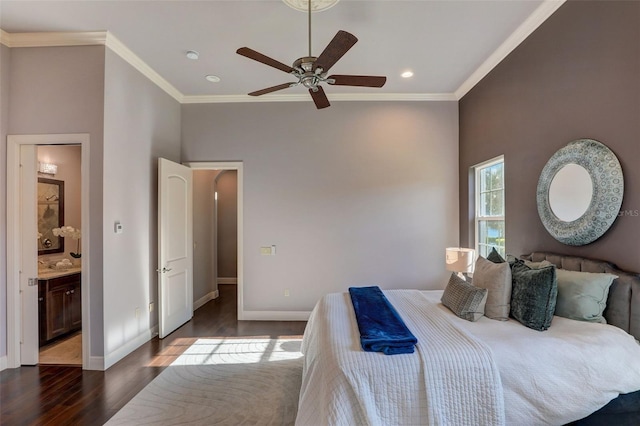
[(60, 306)]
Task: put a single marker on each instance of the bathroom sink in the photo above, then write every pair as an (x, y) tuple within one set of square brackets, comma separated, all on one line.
[(48, 273)]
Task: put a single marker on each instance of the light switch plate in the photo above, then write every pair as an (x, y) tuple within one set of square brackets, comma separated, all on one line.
[(265, 251)]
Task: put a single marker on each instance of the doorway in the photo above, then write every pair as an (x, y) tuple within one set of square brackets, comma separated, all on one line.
[(213, 171), (59, 255), (226, 226), (24, 243)]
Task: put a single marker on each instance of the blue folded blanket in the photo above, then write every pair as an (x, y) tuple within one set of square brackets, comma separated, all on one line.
[(381, 327)]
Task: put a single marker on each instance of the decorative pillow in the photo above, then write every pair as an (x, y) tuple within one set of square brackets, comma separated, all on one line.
[(494, 256), (534, 294), (583, 296), (464, 299), (496, 278)]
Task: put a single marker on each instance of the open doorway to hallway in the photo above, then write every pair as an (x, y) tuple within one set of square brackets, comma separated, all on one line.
[(215, 232)]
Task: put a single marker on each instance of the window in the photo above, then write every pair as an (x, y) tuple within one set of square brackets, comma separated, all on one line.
[(489, 209)]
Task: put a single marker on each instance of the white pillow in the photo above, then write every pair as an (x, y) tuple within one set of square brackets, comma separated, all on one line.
[(496, 278)]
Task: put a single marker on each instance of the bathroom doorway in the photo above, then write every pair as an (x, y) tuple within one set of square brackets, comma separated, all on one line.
[(24, 245), (59, 255)]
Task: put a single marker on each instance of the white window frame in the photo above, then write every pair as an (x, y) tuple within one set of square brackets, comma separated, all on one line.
[(476, 213)]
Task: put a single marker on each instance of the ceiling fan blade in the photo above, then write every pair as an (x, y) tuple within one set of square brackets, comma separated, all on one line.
[(341, 43), (319, 98), (358, 80), (257, 56), (272, 89)]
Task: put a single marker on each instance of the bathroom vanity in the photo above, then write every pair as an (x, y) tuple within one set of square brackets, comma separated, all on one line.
[(59, 303)]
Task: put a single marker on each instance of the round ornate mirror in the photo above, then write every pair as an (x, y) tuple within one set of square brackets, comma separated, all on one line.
[(580, 192), (570, 192)]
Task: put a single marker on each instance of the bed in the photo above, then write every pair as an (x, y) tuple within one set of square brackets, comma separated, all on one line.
[(588, 373)]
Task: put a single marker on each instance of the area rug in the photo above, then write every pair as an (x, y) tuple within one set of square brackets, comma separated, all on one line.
[(234, 381)]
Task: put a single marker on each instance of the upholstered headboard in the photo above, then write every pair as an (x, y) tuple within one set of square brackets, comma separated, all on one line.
[(623, 304)]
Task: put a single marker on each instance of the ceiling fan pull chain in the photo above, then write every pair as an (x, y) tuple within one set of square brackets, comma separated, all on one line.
[(309, 8)]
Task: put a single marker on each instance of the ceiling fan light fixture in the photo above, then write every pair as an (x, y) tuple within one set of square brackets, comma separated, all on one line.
[(311, 70), (316, 5)]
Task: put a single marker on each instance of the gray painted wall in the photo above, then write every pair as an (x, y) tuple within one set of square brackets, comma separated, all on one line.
[(91, 90), (5, 71), (357, 194), (68, 98), (576, 76), (141, 123), (227, 259)]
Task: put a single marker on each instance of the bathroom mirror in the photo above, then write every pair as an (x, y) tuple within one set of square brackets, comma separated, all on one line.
[(50, 215), (580, 192)]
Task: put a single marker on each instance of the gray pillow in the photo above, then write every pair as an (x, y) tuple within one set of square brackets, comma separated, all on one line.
[(494, 256), (583, 296), (464, 299), (534, 294), (496, 278)]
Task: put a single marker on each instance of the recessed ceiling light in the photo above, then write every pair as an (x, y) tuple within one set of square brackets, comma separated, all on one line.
[(316, 5), (192, 54), (407, 74), (212, 78)]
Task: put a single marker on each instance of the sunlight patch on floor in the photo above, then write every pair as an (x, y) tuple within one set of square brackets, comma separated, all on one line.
[(239, 351), (231, 350)]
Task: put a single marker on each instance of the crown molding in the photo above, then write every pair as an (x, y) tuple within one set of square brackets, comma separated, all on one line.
[(134, 60), (5, 38), (304, 97), (546, 9), (52, 39)]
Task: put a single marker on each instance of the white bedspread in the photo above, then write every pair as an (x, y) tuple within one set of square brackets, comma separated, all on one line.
[(551, 377), (343, 385)]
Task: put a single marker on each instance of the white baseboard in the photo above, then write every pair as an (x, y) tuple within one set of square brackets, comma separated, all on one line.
[(155, 330), (3, 363), (95, 363), (128, 347), (227, 280), (274, 315), (204, 299)]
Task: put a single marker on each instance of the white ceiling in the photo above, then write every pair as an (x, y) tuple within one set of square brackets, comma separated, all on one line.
[(448, 44)]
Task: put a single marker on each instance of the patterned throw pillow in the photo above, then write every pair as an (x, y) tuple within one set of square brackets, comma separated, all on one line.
[(464, 299), (496, 278), (533, 296)]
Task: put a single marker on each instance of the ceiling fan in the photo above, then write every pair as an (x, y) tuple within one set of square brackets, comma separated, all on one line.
[(311, 71)]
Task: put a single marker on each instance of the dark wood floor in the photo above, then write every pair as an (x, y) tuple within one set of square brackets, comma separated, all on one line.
[(50, 395)]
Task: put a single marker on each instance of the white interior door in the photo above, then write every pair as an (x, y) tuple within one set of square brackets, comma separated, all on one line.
[(175, 250), (29, 255)]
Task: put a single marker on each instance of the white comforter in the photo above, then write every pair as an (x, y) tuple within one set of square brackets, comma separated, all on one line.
[(552, 377)]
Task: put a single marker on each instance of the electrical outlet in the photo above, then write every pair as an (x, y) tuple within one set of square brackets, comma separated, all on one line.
[(151, 307), (286, 292)]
